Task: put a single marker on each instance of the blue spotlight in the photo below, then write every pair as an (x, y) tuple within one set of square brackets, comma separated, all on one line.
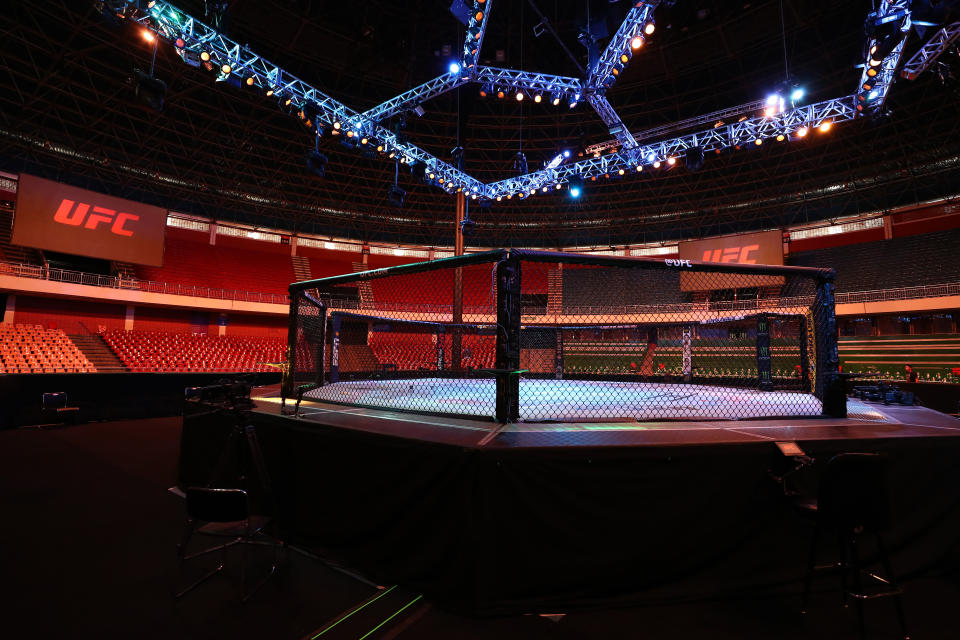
[(566, 153), (574, 192), (454, 68), (797, 94)]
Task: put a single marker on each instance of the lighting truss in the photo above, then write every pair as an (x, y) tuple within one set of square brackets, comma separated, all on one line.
[(610, 118), (415, 96), (690, 123), (732, 135), (533, 82), (873, 98), (631, 27), (196, 38), (476, 29), (933, 49)]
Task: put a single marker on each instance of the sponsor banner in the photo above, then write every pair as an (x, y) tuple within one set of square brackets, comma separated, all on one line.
[(57, 217), (765, 247)]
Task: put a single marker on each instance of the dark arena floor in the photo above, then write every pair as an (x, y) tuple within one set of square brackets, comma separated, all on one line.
[(95, 558)]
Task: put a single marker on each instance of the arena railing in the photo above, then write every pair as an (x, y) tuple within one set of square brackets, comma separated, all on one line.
[(150, 286)]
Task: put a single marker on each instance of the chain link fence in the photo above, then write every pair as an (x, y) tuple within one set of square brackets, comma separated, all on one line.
[(541, 336)]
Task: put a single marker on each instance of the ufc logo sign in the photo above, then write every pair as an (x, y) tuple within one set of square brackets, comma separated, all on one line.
[(740, 255), (76, 214), (673, 262)]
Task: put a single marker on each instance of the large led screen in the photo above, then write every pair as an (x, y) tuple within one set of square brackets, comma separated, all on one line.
[(765, 247), (57, 217)]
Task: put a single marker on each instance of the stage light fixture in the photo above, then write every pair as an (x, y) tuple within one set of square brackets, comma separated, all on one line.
[(316, 162), (250, 80), (380, 148), (758, 142), (626, 56), (519, 96), (871, 72), (288, 101), (576, 189), (825, 126), (671, 161), (544, 189), (349, 134), (454, 68), (802, 132), (797, 95), (639, 168), (148, 35), (336, 125), (621, 172), (364, 140), (637, 42), (269, 91), (180, 43), (650, 27), (485, 90), (501, 94), (225, 68), (780, 138), (556, 99), (651, 156), (151, 91), (537, 98), (656, 165), (558, 186), (573, 100), (205, 56), (499, 198), (694, 158)]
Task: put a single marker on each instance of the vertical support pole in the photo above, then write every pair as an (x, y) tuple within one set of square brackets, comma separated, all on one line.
[(456, 347), (321, 346), (829, 386), (290, 370), (764, 373), (558, 355), (687, 360), (438, 336), (335, 321), (805, 328), (508, 339)]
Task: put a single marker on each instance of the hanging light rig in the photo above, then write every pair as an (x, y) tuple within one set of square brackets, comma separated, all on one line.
[(203, 46)]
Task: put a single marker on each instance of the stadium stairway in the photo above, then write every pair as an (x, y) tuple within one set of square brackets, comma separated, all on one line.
[(365, 288), (301, 268), (97, 352)]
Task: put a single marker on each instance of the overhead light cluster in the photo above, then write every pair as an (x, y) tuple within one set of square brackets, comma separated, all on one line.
[(471, 47), (626, 55), (553, 96), (884, 34)]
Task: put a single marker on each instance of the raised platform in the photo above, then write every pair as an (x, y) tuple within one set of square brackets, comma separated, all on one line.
[(488, 518)]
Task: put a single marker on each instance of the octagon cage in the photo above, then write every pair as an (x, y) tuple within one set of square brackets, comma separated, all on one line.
[(523, 335)]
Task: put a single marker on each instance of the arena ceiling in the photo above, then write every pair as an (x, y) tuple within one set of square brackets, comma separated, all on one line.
[(228, 152)]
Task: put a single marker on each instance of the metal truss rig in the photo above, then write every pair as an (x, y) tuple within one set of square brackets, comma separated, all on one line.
[(201, 42), (891, 22), (933, 49)]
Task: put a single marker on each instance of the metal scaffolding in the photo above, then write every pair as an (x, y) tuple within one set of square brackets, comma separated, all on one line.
[(230, 58)]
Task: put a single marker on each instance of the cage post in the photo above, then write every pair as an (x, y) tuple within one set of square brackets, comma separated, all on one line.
[(508, 339), (286, 388), (336, 322), (829, 384), (687, 359), (764, 374), (558, 355)]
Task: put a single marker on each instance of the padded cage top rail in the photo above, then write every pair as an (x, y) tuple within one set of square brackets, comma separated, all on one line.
[(531, 255)]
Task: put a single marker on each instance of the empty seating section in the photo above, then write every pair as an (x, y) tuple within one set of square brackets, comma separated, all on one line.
[(414, 351), (149, 351), (589, 290), (432, 291), (931, 258), (404, 351), (191, 261), (34, 349)]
